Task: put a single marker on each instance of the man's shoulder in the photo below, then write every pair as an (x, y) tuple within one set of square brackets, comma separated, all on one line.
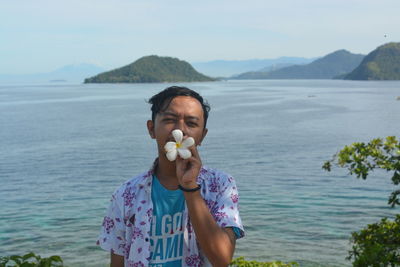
[(212, 172), (133, 184), (209, 175)]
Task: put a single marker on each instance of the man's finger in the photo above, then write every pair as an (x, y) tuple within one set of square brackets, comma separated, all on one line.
[(195, 152)]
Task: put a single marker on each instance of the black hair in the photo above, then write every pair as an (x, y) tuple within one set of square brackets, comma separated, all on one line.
[(162, 100)]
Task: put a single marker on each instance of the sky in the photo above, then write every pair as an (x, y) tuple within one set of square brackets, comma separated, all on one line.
[(43, 35)]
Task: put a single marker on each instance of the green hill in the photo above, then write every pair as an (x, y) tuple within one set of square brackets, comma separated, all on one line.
[(381, 64), (151, 69), (337, 63)]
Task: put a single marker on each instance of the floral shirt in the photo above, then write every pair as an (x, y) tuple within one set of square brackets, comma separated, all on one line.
[(126, 227)]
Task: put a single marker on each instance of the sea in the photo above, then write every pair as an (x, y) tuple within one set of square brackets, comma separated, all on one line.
[(64, 149)]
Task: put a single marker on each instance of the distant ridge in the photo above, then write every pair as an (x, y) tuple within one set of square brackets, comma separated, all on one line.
[(151, 69), (334, 64), (227, 68), (278, 66), (75, 73), (381, 64)]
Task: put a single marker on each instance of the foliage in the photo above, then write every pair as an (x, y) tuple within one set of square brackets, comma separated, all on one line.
[(151, 69), (361, 158), (381, 64), (30, 260), (377, 245), (241, 262)]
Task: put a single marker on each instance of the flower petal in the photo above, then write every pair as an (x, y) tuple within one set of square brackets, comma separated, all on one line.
[(170, 146), (184, 153), (188, 142), (178, 135), (171, 155)]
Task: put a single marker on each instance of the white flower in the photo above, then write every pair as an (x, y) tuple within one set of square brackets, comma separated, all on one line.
[(179, 147)]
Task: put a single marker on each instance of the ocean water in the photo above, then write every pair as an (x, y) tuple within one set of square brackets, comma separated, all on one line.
[(65, 148)]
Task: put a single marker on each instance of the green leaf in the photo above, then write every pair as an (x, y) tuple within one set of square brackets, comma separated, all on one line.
[(56, 259), (29, 255), (396, 178), (28, 264), (17, 259), (327, 166), (3, 261)]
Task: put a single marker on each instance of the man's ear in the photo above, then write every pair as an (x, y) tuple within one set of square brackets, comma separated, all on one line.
[(205, 131), (150, 128)]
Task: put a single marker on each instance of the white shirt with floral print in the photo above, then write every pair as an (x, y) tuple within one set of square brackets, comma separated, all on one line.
[(126, 227)]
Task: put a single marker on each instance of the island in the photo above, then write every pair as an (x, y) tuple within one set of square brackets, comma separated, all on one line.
[(381, 64), (152, 69)]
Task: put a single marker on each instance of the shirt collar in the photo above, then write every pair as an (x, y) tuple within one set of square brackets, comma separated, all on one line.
[(147, 177)]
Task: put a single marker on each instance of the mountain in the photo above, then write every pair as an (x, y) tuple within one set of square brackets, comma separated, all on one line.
[(327, 67), (254, 75), (276, 66), (70, 73), (151, 69), (77, 70), (227, 68), (381, 64)]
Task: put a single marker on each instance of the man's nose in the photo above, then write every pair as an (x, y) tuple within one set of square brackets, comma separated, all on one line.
[(181, 126)]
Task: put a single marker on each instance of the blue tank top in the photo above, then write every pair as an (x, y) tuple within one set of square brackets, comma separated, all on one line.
[(166, 230)]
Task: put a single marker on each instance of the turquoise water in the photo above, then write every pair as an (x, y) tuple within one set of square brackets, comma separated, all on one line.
[(65, 148)]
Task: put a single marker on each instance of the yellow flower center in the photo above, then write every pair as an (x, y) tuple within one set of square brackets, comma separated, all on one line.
[(178, 145)]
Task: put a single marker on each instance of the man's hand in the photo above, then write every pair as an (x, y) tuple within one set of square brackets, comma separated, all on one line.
[(187, 170)]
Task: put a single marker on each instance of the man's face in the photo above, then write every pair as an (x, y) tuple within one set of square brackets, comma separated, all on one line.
[(184, 113)]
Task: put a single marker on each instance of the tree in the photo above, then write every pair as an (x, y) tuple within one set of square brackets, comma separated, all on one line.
[(378, 244)]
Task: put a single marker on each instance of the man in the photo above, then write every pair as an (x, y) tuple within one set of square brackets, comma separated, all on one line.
[(179, 213)]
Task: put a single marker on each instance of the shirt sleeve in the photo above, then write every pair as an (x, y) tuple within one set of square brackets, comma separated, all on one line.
[(225, 209), (112, 233)]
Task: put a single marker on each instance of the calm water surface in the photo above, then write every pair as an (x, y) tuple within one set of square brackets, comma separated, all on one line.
[(65, 148)]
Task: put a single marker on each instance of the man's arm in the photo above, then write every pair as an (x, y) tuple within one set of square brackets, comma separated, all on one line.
[(117, 260), (218, 244)]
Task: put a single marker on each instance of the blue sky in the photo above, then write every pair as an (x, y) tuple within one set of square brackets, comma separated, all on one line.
[(43, 35)]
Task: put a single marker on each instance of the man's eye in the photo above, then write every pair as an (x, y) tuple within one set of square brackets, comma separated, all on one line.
[(168, 120), (192, 124)]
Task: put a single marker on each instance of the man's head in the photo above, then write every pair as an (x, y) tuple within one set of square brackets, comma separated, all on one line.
[(177, 108), (161, 101)]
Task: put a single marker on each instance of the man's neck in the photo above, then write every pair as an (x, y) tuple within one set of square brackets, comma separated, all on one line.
[(166, 173)]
